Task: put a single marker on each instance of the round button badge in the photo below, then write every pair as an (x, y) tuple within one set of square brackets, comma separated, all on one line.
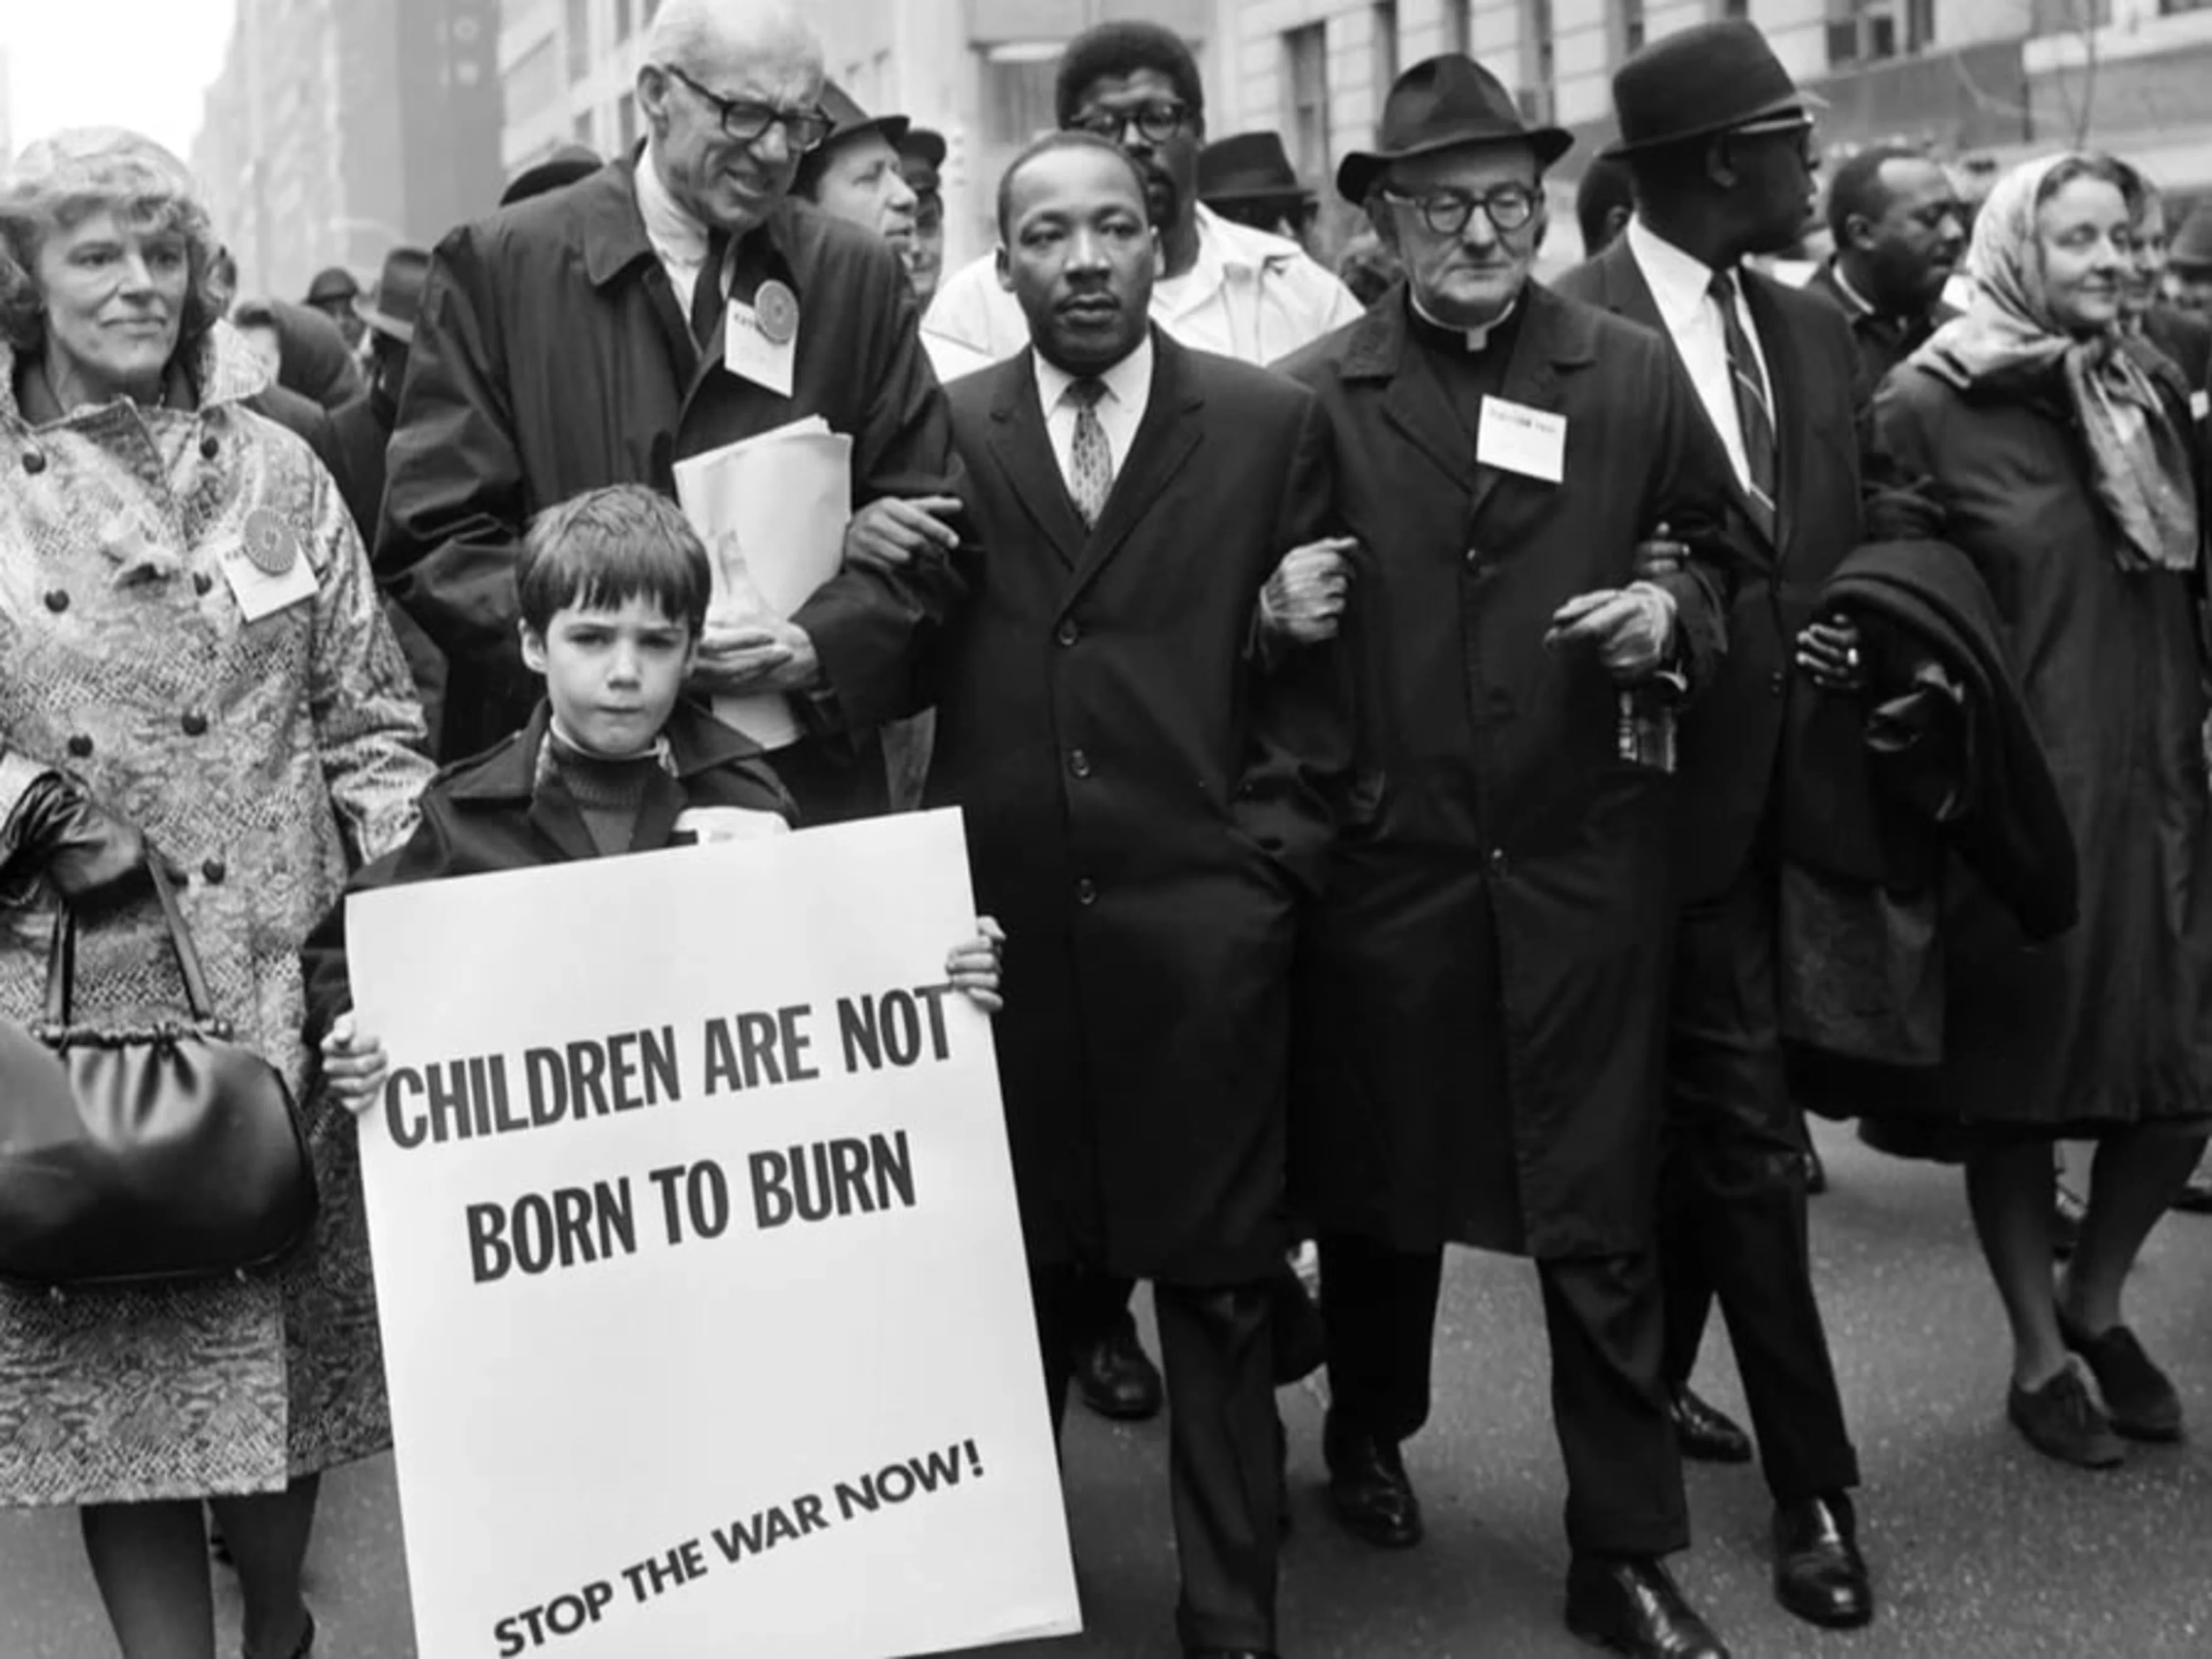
[(776, 309), (271, 544)]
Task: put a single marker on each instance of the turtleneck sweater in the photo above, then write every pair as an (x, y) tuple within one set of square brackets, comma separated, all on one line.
[(609, 794)]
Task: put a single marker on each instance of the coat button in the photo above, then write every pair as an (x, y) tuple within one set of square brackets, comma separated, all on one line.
[(210, 446), (1500, 702), (195, 724), (79, 746), (1778, 681), (1499, 862), (202, 584), (1079, 763), (1473, 557), (1086, 892), (213, 872), (33, 462), (1068, 633), (57, 601)]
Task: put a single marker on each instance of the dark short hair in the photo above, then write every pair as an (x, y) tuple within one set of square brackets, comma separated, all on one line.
[(1605, 186), (1048, 144), (608, 546), (1857, 191), (1123, 48)]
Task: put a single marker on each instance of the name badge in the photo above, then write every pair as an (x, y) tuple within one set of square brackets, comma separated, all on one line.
[(750, 348), (266, 567), (1514, 438)]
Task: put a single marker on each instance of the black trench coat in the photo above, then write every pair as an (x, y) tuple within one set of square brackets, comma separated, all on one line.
[(1143, 804), (1481, 996)]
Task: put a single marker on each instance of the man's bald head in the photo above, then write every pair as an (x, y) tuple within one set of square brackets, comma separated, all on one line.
[(696, 34)]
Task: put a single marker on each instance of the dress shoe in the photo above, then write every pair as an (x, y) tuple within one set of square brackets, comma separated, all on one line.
[(1368, 1490), (2196, 1198), (1633, 1606), (1116, 1377), (2139, 1397), (1707, 1434), (2062, 1421), (1818, 1573), (2067, 1209)]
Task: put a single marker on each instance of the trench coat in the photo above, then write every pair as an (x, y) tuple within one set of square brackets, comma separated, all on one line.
[(266, 758), (2112, 1022), (550, 358), (1481, 992), (1143, 803)]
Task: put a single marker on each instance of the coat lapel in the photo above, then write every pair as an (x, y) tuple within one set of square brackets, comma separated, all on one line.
[(1023, 449), (1550, 336), (1165, 438), (1413, 401)]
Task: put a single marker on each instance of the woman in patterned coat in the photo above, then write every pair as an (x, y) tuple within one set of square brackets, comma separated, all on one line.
[(191, 652)]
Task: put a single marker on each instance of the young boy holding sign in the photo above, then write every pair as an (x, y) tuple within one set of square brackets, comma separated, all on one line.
[(614, 588)]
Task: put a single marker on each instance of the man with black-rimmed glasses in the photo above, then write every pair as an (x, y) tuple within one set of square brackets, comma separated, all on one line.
[(669, 304)]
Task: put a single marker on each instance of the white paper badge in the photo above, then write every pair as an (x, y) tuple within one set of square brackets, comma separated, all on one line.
[(748, 349), (266, 567), (1516, 438)]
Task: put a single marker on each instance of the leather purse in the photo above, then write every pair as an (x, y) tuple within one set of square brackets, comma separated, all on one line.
[(143, 1154)]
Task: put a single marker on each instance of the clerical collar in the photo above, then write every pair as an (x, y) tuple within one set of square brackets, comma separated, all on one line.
[(1472, 340)]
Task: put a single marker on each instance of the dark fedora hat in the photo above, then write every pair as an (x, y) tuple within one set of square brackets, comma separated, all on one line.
[(847, 120), (1443, 103), (563, 167), (1247, 167), (921, 158), (331, 283), (393, 306), (1709, 78), (2191, 247)]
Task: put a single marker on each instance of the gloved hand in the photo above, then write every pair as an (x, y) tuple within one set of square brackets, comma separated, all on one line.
[(1303, 602), (93, 859)]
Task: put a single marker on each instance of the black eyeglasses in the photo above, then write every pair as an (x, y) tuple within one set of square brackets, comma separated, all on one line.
[(748, 122), (1157, 122), (1447, 211)]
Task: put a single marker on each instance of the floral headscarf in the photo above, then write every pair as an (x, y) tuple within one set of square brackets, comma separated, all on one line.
[(2139, 458)]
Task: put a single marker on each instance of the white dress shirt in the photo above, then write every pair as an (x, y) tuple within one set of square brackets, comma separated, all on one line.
[(1120, 411), (1682, 288), (679, 239)]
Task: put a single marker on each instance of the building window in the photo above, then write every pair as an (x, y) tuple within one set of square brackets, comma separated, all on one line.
[(1627, 28), (580, 129), (626, 121), (1305, 74), (1869, 31), (623, 21), (1384, 37), (1459, 27), (1538, 75), (580, 38), (534, 81), (1736, 11)]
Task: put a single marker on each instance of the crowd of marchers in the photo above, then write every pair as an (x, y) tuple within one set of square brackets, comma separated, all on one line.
[(1470, 764)]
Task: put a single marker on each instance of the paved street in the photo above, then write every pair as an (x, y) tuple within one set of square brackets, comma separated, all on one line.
[(1979, 1546)]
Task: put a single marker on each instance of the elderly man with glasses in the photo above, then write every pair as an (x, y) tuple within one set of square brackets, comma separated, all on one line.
[(654, 311)]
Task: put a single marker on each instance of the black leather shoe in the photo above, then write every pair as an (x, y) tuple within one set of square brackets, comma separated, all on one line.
[(1369, 1491), (1116, 1378), (1707, 1434), (2196, 1198), (1633, 1606), (1819, 1574)]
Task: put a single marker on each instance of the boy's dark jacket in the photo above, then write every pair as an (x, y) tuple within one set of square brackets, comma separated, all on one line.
[(487, 814)]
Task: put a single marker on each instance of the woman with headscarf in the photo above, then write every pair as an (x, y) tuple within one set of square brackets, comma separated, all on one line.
[(194, 662), (2060, 448)]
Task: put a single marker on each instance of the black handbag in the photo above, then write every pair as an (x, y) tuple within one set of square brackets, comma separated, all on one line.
[(159, 1152)]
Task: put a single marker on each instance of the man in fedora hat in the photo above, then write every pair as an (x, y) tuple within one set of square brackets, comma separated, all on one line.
[(855, 175), (2189, 266), (1719, 144), (1480, 1012), (921, 159), (1248, 178), (332, 291)]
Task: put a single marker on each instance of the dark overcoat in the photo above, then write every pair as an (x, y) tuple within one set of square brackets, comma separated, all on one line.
[(1481, 993), (1143, 805), (551, 358)]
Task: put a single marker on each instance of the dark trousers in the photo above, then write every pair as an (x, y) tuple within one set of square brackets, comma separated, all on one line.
[(1102, 1304), (1216, 1354), (1732, 1192), (1609, 1406)]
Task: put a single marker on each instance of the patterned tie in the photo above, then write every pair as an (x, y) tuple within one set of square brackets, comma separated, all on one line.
[(1752, 413), (707, 292), (1090, 463)]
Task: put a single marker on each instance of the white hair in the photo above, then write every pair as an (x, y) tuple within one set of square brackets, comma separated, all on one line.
[(686, 31)]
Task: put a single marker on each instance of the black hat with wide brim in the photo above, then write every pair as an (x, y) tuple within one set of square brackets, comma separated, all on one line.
[(1247, 167), (1699, 83), (563, 167), (1445, 103)]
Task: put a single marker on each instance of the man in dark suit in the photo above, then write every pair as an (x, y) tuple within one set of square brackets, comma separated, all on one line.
[(1900, 232), (1719, 144), (1144, 805), (1481, 1003)]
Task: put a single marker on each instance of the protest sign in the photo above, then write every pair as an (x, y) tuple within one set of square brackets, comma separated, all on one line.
[(684, 1159)]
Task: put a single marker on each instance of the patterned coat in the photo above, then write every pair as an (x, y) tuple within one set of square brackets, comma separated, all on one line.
[(265, 758)]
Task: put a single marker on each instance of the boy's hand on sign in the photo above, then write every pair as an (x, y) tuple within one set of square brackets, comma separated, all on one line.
[(890, 534), (973, 965), (353, 1064), (763, 654)]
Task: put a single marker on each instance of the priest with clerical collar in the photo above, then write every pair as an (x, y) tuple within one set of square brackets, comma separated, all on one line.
[(1546, 544)]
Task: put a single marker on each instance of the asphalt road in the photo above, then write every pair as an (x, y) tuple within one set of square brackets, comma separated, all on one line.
[(1979, 1546)]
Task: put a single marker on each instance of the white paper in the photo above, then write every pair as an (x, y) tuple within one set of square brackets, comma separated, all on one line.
[(1516, 438), (748, 353), (772, 510), (570, 1405)]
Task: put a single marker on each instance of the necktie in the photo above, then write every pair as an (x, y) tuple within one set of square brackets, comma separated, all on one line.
[(1090, 463), (707, 292), (1752, 413)]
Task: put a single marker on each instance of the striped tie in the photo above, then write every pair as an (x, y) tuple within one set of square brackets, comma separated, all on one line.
[(1090, 467), (1754, 416)]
